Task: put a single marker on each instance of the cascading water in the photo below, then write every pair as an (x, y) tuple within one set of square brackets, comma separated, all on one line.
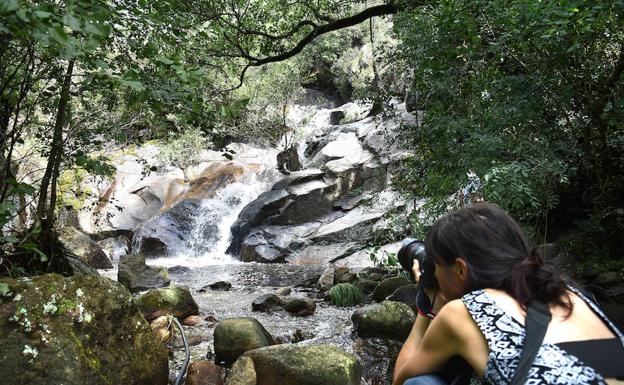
[(210, 236)]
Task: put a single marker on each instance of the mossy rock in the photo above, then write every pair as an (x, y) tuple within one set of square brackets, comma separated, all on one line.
[(175, 300), (388, 286), (76, 330), (388, 319), (235, 336), (302, 365)]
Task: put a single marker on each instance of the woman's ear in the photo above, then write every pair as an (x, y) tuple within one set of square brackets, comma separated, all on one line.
[(461, 269)]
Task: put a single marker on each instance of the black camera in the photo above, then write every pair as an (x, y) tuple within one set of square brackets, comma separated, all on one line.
[(412, 249)]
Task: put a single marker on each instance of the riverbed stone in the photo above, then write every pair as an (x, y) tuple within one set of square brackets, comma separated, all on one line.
[(294, 364), (76, 330), (300, 306), (160, 328), (203, 372), (388, 286), (326, 282), (175, 300), (137, 276), (267, 303), (235, 336), (242, 373), (387, 319), (407, 295), (367, 286)]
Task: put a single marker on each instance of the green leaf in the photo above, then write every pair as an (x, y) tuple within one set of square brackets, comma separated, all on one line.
[(5, 290), (33, 247), (136, 85), (72, 22), (164, 60), (43, 14)]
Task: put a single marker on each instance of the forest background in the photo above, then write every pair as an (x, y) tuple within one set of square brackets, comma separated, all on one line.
[(529, 95)]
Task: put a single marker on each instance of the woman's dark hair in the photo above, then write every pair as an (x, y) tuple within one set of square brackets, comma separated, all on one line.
[(498, 255)]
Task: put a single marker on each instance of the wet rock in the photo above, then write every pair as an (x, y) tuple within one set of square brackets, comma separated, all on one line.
[(76, 330), (137, 276), (161, 328), (221, 285), (376, 277), (242, 373), (284, 291), (175, 300), (178, 269), (407, 295), (388, 286), (326, 281), (339, 272), (203, 372), (169, 230), (85, 248), (300, 306), (323, 254), (387, 319), (294, 364), (348, 278), (336, 116), (254, 214), (309, 282), (267, 303), (235, 336), (367, 286)]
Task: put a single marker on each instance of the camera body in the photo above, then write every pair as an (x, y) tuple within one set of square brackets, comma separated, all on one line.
[(414, 249)]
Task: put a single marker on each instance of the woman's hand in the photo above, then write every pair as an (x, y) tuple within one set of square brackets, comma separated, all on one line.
[(436, 297)]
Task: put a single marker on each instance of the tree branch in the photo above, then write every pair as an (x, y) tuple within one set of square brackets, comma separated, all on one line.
[(379, 10)]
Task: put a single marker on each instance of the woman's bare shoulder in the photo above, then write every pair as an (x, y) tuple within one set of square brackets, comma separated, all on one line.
[(471, 343)]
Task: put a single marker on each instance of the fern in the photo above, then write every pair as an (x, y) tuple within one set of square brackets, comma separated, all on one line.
[(345, 294)]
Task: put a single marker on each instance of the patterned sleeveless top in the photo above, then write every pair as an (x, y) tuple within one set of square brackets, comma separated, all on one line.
[(505, 338)]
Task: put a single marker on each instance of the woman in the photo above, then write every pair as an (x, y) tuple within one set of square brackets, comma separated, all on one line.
[(488, 275)]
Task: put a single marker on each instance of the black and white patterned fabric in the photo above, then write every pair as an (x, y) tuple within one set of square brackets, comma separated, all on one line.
[(505, 338)]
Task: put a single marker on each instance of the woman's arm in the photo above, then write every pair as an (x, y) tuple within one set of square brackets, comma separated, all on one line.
[(428, 346)]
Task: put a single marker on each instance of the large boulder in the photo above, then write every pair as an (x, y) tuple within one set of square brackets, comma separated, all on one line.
[(388, 286), (169, 230), (85, 248), (76, 330), (294, 364), (175, 300), (235, 336), (137, 276), (388, 319)]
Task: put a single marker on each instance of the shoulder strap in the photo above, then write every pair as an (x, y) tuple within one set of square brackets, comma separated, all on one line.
[(536, 322)]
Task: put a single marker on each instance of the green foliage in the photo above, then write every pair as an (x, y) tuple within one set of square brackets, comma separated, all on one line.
[(183, 150), (345, 294), (383, 258), (528, 95)]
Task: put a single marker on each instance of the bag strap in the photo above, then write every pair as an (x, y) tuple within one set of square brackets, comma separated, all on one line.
[(537, 319)]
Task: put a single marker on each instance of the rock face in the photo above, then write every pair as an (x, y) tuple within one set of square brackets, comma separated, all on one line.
[(387, 319), (137, 276), (295, 364), (329, 210), (175, 300), (235, 336), (76, 330)]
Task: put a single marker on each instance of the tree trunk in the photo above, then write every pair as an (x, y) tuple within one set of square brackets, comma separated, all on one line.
[(45, 207), (377, 103)]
